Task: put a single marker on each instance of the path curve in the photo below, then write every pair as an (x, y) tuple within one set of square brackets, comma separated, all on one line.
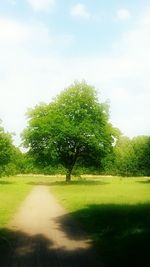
[(47, 236)]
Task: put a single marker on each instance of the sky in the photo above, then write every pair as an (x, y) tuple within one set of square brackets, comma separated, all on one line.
[(46, 45)]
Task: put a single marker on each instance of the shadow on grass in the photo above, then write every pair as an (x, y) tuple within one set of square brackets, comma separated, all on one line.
[(144, 182), (20, 249), (40, 183), (121, 233), (62, 183), (5, 182)]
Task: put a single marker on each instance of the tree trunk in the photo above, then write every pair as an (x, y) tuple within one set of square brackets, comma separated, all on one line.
[(68, 176), (70, 167)]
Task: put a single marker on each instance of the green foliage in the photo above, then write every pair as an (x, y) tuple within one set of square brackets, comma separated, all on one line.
[(130, 157), (5, 147), (141, 146), (26, 164), (73, 129), (10, 156), (6, 152), (124, 152)]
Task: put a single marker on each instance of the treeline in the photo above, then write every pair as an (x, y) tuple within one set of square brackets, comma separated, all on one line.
[(13, 161), (73, 135), (9, 154), (129, 157)]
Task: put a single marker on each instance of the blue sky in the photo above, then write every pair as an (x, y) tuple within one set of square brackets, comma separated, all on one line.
[(47, 44)]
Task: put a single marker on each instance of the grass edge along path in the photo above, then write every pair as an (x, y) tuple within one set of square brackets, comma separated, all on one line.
[(13, 190)]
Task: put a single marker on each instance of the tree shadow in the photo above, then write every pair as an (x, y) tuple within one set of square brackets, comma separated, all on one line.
[(40, 183), (121, 233), (144, 182), (18, 249), (62, 183), (5, 182), (72, 228)]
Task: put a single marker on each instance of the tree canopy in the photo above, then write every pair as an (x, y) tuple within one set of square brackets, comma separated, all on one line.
[(130, 157), (6, 150), (73, 128)]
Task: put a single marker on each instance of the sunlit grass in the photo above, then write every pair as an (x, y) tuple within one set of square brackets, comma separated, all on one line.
[(114, 211), (78, 194), (13, 191), (103, 190)]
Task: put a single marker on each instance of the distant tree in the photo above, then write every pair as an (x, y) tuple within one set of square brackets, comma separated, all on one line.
[(6, 149), (17, 161), (71, 129), (130, 157), (141, 145), (124, 157), (26, 164)]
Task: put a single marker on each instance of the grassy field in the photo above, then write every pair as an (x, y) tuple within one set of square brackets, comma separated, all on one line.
[(115, 212), (13, 190)]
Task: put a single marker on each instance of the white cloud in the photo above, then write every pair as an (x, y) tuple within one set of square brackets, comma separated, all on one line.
[(123, 14), (31, 73), (42, 5), (12, 31), (80, 10)]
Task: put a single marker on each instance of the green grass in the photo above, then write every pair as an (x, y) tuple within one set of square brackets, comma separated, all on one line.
[(102, 190), (114, 211), (13, 190)]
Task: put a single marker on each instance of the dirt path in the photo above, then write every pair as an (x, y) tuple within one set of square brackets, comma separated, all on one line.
[(47, 236)]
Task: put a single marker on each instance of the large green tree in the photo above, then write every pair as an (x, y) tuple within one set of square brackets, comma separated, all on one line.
[(73, 128)]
